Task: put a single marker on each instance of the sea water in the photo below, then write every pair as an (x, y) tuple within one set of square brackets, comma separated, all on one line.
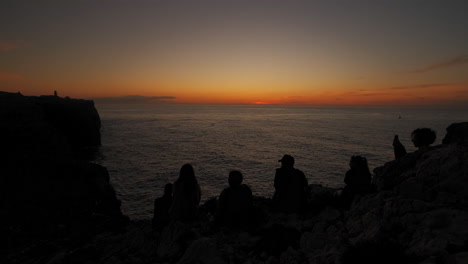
[(144, 146)]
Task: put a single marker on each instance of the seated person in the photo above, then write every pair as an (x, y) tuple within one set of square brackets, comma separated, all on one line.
[(398, 149), (161, 208), (290, 185), (235, 203), (422, 138), (186, 196), (357, 179)]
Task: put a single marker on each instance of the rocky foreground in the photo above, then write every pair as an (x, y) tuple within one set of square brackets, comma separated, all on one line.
[(418, 214)]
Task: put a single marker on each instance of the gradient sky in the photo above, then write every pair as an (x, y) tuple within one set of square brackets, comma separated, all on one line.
[(412, 52)]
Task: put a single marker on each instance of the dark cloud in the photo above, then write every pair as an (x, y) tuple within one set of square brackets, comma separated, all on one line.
[(134, 99), (391, 90), (366, 92), (461, 93), (409, 87), (7, 45), (7, 76), (373, 94), (459, 60)]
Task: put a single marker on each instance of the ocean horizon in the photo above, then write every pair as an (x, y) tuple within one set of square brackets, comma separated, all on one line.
[(144, 146)]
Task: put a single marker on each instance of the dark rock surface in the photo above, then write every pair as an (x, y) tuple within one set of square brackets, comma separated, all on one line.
[(58, 126), (418, 214), (48, 190)]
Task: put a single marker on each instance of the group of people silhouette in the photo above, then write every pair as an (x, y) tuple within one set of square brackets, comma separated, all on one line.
[(181, 200)]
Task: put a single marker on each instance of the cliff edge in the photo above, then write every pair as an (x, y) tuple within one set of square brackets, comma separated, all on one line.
[(48, 189)]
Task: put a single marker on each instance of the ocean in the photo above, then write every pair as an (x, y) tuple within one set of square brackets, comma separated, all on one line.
[(144, 146)]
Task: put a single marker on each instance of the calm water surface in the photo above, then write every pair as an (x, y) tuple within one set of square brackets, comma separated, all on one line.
[(144, 146)]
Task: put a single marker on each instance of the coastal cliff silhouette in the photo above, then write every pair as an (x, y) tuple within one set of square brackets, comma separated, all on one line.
[(48, 187)]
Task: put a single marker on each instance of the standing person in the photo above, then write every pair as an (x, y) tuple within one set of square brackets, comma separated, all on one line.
[(161, 208), (186, 196), (235, 203), (290, 184), (357, 179)]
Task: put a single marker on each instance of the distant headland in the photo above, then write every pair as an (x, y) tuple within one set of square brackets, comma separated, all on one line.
[(58, 207)]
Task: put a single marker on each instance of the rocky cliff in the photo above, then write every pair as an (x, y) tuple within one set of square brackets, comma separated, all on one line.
[(417, 214), (47, 188)]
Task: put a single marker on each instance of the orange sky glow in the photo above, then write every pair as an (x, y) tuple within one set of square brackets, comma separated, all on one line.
[(222, 52)]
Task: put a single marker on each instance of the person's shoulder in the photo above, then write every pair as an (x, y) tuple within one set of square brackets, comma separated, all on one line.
[(244, 191), (282, 171), (246, 187), (159, 200), (297, 171), (224, 191)]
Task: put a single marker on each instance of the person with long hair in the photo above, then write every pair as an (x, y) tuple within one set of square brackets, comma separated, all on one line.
[(357, 179), (186, 196)]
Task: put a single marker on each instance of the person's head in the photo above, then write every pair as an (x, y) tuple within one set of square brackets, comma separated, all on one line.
[(287, 161), (423, 137), (235, 178), (187, 174), (358, 162), (168, 189)]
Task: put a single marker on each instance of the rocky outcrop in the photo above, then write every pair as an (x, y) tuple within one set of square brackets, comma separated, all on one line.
[(74, 123), (456, 133), (77, 120), (422, 204), (47, 188)]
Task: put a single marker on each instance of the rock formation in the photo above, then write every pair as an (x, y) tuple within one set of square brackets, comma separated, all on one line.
[(47, 188)]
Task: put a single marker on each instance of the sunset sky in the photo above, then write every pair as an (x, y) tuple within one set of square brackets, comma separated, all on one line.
[(412, 52)]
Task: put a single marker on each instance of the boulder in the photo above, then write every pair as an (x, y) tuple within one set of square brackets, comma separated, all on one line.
[(204, 251), (174, 241)]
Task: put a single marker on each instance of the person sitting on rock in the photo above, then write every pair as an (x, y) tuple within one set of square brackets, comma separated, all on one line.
[(161, 208), (422, 138), (235, 203), (398, 149), (290, 184), (186, 196), (357, 179)]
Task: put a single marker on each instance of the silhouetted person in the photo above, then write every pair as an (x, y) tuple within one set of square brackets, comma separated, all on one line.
[(422, 138), (357, 179), (290, 184), (186, 196), (161, 208), (398, 148), (235, 203)]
